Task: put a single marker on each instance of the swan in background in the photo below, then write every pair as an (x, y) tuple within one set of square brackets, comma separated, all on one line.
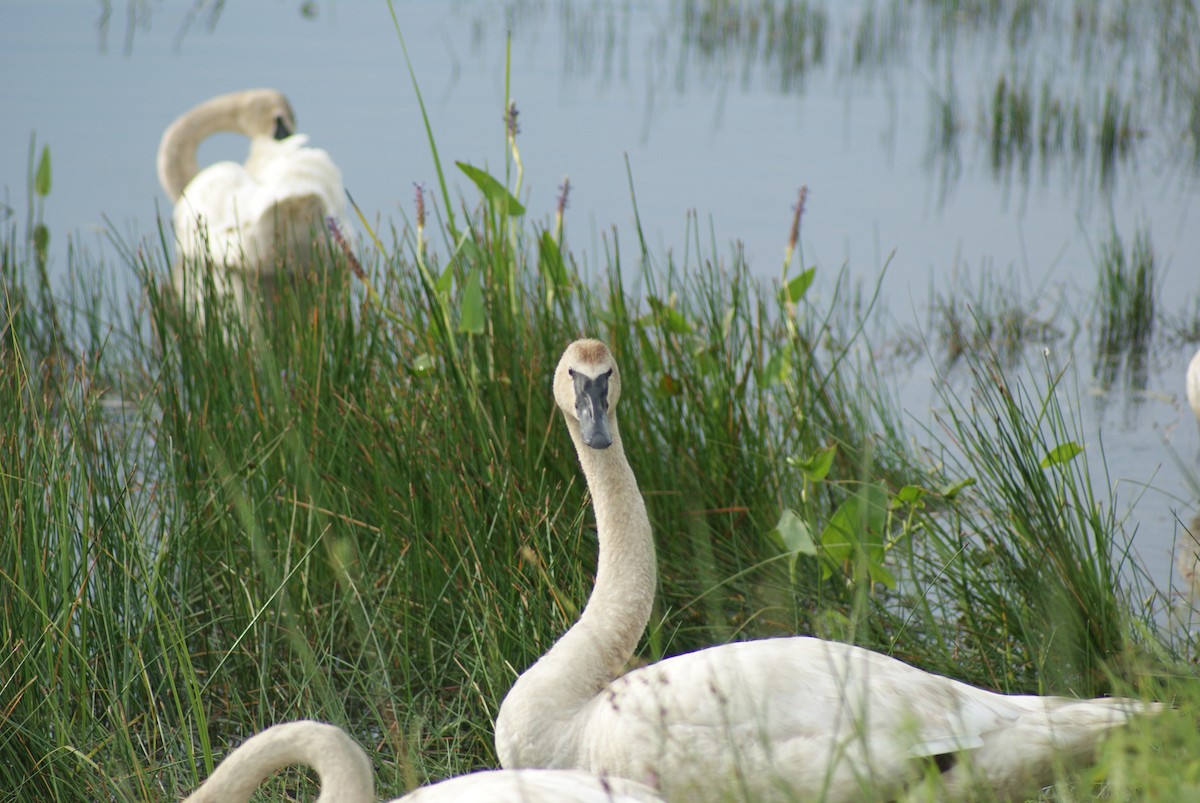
[(248, 219), (779, 719), (1193, 384), (346, 776)]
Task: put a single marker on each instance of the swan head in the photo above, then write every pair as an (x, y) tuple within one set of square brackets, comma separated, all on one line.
[(264, 113), (587, 386)]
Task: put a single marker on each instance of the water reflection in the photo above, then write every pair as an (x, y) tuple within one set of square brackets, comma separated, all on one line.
[(199, 15), (1126, 313), (1087, 119), (1068, 86)]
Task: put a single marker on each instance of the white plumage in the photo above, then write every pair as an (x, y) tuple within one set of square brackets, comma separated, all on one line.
[(250, 220), (346, 776), (772, 720)]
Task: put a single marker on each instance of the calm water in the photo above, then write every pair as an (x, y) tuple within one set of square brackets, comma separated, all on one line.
[(713, 116)]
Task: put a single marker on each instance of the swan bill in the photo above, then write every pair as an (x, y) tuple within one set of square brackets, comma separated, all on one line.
[(591, 407), (282, 129)]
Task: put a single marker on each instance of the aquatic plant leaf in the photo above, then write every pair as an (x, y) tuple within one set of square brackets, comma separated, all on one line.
[(669, 317), (816, 467), (1063, 453), (909, 496), (41, 179), (471, 310), (649, 352), (793, 535), (778, 367), (858, 524), (795, 290), (496, 194), (550, 263), (952, 490)]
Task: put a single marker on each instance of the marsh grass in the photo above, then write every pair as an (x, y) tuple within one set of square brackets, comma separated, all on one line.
[(368, 512), (992, 315), (1126, 309)]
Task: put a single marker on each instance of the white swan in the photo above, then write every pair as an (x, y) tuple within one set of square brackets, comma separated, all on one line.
[(251, 218), (1193, 384), (346, 776), (770, 720)]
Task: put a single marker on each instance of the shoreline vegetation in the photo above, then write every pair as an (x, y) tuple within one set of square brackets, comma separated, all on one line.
[(365, 510)]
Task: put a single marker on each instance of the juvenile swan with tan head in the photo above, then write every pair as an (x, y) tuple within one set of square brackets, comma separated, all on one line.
[(779, 719), (346, 777), (247, 218)]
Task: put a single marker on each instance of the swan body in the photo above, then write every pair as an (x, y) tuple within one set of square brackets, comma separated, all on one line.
[(1193, 384), (346, 776), (778, 719), (533, 786), (248, 219)]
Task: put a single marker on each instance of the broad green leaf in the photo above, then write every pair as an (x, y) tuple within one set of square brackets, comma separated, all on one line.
[(792, 534), (909, 496), (858, 524), (650, 358), (1063, 453), (466, 249), (41, 180), (794, 290), (952, 490), (669, 317), (779, 366), (816, 467), (497, 196), (471, 310), (445, 280), (880, 574), (550, 263)]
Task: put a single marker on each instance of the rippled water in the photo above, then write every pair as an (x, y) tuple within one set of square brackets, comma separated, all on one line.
[(904, 122)]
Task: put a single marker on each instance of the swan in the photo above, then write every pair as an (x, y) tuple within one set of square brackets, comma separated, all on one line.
[(1193, 384), (246, 218), (346, 776), (778, 719)]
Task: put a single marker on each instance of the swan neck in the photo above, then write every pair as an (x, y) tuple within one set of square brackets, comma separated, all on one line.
[(537, 724), (344, 770), (623, 596), (177, 150)]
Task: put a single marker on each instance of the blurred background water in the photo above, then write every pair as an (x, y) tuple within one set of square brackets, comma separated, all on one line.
[(983, 145)]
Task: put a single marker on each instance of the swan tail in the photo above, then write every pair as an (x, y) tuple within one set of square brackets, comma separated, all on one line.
[(1051, 733)]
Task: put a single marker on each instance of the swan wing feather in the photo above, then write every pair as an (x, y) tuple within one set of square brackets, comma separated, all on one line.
[(786, 708)]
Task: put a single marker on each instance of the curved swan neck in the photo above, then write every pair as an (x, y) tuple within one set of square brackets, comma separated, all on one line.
[(177, 150), (344, 769), (535, 726), (253, 112)]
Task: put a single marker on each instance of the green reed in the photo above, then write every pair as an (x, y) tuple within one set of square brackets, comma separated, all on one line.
[(364, 508)]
